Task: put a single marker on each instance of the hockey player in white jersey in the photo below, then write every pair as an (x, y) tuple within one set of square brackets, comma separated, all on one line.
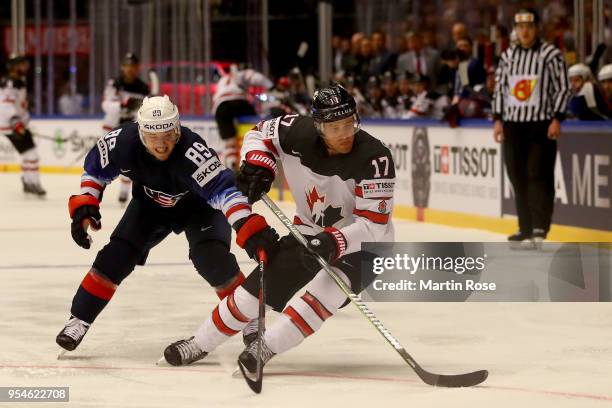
[(342, 180), (14, 118), (231, 100)]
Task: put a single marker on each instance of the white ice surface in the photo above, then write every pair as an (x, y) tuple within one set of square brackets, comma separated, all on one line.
[(539, 355)]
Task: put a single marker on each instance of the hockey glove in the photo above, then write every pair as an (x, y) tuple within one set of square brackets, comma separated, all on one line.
[(253, 233), (256, 175), (329, 244), (85, 212)]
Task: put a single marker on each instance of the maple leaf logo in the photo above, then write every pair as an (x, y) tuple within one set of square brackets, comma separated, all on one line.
[(312, 197)]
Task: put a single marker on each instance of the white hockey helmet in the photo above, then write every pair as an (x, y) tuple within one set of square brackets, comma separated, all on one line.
[(581, 70), (157, 115), (605, 73)]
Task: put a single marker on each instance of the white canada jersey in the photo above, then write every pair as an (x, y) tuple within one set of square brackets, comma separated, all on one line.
[(13, 104), (352, 192), (234, 86)]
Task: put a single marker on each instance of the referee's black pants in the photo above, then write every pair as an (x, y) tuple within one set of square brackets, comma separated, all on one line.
[(530, 162)]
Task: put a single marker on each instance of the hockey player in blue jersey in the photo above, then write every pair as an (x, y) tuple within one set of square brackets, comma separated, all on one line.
[(179, 186)]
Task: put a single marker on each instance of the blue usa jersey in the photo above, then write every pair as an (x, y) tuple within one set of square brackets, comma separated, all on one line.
[(192, 172)]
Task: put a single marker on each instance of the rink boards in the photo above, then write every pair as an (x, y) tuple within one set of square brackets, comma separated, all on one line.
[(444, 175)]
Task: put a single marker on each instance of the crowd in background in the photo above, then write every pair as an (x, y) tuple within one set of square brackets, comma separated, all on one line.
[(411, 76)]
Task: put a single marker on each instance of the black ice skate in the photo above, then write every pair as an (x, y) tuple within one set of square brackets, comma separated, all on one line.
[(33, 188), (72, 334), (521, 240), (248, 358), (184, 352)]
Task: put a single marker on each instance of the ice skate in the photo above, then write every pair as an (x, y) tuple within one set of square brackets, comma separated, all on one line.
[(248, 358), (72, 334), (184, 352)]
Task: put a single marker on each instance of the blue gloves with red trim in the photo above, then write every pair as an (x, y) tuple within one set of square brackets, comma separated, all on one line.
[(82, 208), (253, 233)]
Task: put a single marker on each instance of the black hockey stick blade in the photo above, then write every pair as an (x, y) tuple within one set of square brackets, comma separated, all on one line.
[(453, 381), (254, 383)]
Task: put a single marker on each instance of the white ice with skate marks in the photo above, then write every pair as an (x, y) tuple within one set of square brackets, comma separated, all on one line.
[(538, 355)]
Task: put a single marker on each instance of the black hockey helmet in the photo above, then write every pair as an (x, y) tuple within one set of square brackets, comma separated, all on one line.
[(333, 103)]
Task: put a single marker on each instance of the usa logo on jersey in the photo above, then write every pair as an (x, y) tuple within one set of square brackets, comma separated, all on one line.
[(163, 199)]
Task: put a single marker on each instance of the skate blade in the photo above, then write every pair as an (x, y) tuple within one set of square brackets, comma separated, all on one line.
[(61, 353), (162, 362), (237, 373)]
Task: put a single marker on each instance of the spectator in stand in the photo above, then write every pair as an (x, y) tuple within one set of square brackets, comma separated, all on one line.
[(382, 60), (348, 62), (459, 31), (425, 103), (502, 39), (605, 79), (448, 70), (419, 60), (363, 60), (478, 103), (374, 95), (470, 71), (587, 101), (352, 88), (405, 94), (390, 102)]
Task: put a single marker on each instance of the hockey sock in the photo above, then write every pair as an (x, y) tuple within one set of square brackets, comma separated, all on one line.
[(29, 167), (224, 290), (305, 315), (92, 296), (229, 317)]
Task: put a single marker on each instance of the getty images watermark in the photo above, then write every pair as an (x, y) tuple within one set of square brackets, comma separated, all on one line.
[(475, 271), (413, 264)]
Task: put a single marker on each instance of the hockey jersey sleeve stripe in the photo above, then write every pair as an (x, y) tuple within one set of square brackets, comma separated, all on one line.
[(220, 325), (297, 220), (236, 208), (298, 321), (91, 184), (316, 306), (372, 216)]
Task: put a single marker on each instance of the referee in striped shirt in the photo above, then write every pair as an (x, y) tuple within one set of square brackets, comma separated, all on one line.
[(529, 103)]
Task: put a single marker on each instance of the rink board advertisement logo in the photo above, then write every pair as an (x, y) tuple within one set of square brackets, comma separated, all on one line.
[(483, 272), (583, 182)]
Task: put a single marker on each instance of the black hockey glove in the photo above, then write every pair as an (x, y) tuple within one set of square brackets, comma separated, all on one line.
[(253, 233), (83, 208), (256, 175), (329, 244)]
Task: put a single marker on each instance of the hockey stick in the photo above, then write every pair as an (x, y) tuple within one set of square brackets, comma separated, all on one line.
[(440, 380), (256, 383)]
